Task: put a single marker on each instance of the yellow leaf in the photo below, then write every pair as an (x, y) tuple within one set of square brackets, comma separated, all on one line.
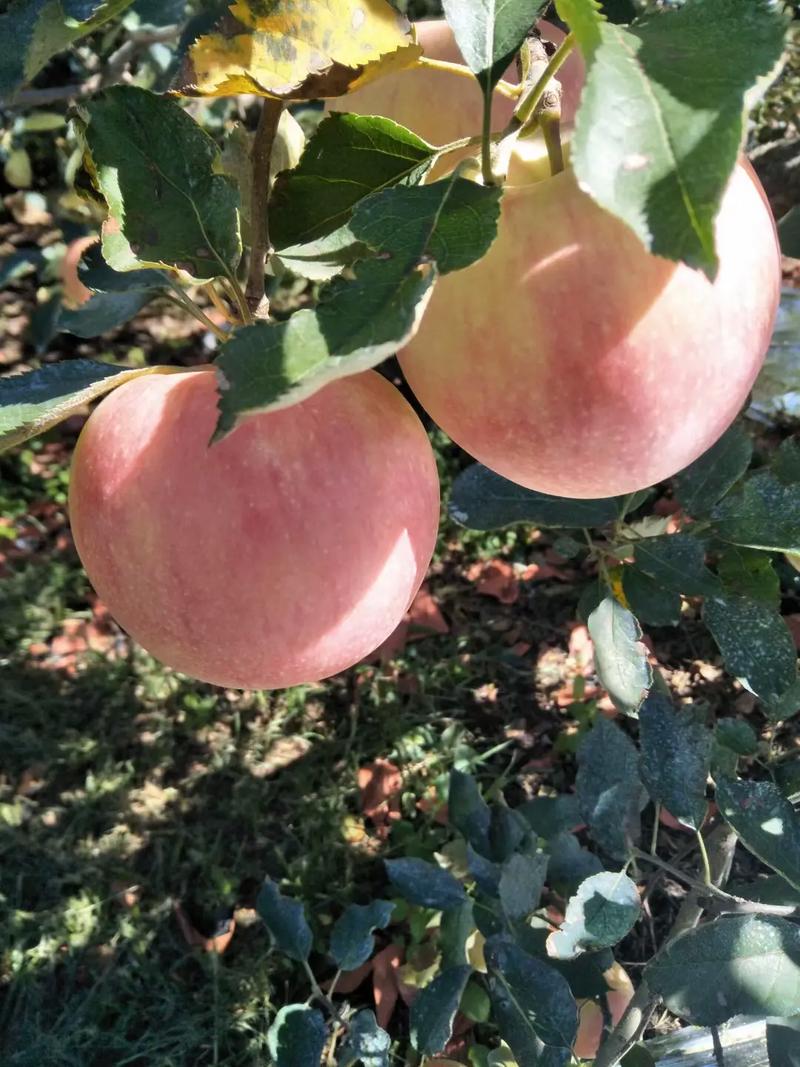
[(298, 49), (615, 580)]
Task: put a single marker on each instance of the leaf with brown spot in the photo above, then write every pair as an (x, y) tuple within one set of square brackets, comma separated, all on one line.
[(298, 49)]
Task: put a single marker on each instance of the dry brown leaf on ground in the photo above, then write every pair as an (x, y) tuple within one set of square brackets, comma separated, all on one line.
[(219, 939), (380, 784), (495, 578), (298, 49), (385, 983)]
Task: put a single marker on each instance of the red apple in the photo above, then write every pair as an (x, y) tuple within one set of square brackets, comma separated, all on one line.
[(283, 554), (441, 107), (573, 362)]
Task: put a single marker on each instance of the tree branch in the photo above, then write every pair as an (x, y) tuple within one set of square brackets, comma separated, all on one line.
[(259, 220), (721, 843)]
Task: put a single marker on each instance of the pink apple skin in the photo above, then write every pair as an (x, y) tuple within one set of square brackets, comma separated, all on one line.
[(572, 362), (283, 554), (441, 107)]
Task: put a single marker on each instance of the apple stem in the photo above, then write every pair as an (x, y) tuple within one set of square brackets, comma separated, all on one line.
[(259, 222), (550, 122), (529, 104), (505, 88)]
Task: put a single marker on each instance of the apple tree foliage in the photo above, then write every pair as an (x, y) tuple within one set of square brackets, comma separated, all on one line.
[(186, 207)]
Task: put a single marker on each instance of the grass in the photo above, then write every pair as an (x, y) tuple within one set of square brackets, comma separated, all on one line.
[(126, 787)]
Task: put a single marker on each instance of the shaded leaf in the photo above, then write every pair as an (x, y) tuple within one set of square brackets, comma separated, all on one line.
[(521, 883), (468, 812), (569, 865), (620, 657), (485, 872), (755, 643), (679, 78), (608, 788), (676, 757), (747, 572), (678, 563), (650, 602), (765, 515), (33, 402), (483, 500), (783, 1036), (360, 321), (298, 49), (700, 485), (425, 884), (737, 965), (737, 735), (531, 1001), (434, 1009), (352, 942), (147, 150), (365, 1043), (102, 312), (789, 233), (297, 1037), (456, 928), (784, 706), (601, 913), (347, 158), (286, 921), (33, 31), (548, 816), (766, 823), (507, 832)]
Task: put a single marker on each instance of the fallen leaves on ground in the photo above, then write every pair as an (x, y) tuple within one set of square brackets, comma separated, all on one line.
[(380, 784), (219, 939)]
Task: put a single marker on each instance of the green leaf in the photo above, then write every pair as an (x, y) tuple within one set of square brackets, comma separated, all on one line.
[(608, 787), (755, 643), (366, 1043), (286, 921), (569, 864), (601, 913), (548, 816), (489, 33), (521, 883), (485, 872), (456, 927), (620, 657), (352, 942), (475, 1003), (789, 233), (678, 563), (784, 706), (483, 500), (737, 735), (468, 812), (507, 831), (297, 1037), (650, 602), (783, 1040), (360, 321), (33, 31), (766, 823), (156, 169), (660, 124), (786, 462), (638, 1056), (769, 889), (748, 572), (34, 402), (585, 19), (704, 482), (434, 1009), (102, 312), (425, 884), (675, 760), (531, 1001), (765, 515), (738, 965), (347, 158)]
